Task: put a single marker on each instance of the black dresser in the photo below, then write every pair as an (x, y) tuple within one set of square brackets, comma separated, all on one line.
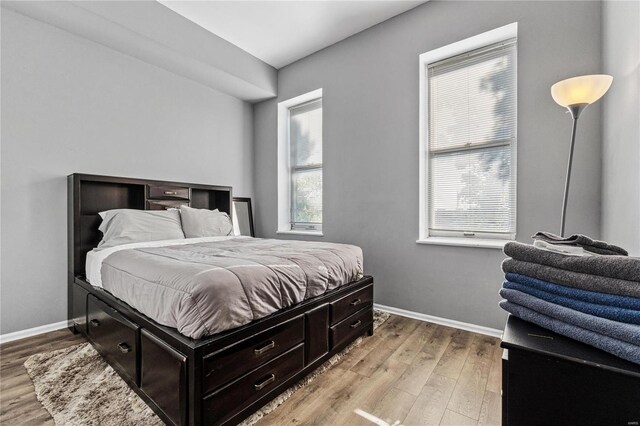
[(549, 379)]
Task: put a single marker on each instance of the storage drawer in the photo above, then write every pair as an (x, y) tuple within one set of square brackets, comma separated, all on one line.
[(165, 204), (163, 377), (316, 337), (353, 302), (222, 367), (223, 404), (114, 336), (352, 326), (162, 191)]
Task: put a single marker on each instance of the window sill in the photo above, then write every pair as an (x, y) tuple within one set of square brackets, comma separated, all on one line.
[(300, 232), (464, 242)]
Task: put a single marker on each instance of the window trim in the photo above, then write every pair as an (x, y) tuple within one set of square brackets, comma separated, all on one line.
[(464, 242), (284, 165), (472, 43)]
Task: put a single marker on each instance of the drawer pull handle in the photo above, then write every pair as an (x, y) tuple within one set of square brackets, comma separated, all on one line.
[(170, 192), (268, 380), (124, 348), (355, 324), (260, 351), (355, 302), (94, 322)]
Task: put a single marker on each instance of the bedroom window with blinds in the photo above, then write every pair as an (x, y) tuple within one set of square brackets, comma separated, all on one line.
[(305, 139), (469, 140), (300, 122)]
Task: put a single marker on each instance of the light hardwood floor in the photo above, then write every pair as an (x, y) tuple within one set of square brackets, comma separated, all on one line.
[(410, 373)]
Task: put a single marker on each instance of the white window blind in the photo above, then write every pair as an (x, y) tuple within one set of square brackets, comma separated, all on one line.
[(471, 181), (305, 139)]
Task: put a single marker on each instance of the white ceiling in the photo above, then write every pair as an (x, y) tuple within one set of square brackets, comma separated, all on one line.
[(281, 32)]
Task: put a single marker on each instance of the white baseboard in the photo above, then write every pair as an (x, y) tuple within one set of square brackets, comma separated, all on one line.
[(442, 321), (17, 335)]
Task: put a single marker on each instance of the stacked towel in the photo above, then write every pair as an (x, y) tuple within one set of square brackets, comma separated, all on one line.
[(562, 249), (594, 299), (579, 240)]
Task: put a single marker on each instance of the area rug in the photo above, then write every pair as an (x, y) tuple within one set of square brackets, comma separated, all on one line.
[(77, 387)]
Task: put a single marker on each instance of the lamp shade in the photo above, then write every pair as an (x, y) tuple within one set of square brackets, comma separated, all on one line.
[(585, 89)]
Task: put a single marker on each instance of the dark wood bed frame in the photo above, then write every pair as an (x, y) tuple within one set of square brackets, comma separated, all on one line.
[(220, 379)]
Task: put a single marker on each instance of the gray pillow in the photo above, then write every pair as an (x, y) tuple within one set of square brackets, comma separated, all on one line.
[(205, 223), (124, 226)]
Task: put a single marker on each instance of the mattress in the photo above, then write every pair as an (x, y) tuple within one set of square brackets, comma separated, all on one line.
[(203, 286)]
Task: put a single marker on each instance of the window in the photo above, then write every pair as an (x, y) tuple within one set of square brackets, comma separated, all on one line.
[(468, 138), (300, 164)]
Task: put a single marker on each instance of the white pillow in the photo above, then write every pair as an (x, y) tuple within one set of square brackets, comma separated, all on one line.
[(204, 222), (124, 226)]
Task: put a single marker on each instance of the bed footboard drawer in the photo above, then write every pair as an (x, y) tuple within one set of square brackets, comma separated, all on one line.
[(223, 404), (232, 362), (351, 303), (163, 377), (114, 336), (352, 326)]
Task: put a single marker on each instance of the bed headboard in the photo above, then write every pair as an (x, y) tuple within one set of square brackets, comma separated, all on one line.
[(90, 194)]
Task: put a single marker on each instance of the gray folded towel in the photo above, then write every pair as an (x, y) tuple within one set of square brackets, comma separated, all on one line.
[(573, 279), (620, 267), (579, 240), (624, 350), (618, 330)]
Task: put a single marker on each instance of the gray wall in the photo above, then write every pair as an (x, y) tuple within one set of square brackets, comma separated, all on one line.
[(155, 34), (71, 105), (370, 84), (621, 125)]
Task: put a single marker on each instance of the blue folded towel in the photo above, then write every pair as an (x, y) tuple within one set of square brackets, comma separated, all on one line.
[(618, 330), (626, 302), (616, 347), (604, 311)]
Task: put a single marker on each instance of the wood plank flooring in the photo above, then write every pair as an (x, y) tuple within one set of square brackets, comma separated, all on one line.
[(409, 373), (18, 403)]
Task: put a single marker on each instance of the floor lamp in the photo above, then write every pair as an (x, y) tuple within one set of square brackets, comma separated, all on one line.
[(576, 94)]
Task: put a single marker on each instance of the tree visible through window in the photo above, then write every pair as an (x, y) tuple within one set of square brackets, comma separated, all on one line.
[(305, 145), (471, 143)]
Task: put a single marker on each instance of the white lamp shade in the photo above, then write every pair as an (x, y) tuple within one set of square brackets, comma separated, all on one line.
[(585, 89)]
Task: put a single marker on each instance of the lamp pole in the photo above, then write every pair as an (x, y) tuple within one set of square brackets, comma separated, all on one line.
[(575, 111), (575, 94)]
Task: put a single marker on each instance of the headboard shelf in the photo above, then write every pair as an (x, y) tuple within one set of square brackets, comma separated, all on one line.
[(90, 194), (100, 196), (203, 199)]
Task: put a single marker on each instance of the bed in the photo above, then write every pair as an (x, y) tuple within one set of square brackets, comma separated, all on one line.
[(207, 330)]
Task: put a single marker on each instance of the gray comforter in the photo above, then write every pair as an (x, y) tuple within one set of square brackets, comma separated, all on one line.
[(205, 288)]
